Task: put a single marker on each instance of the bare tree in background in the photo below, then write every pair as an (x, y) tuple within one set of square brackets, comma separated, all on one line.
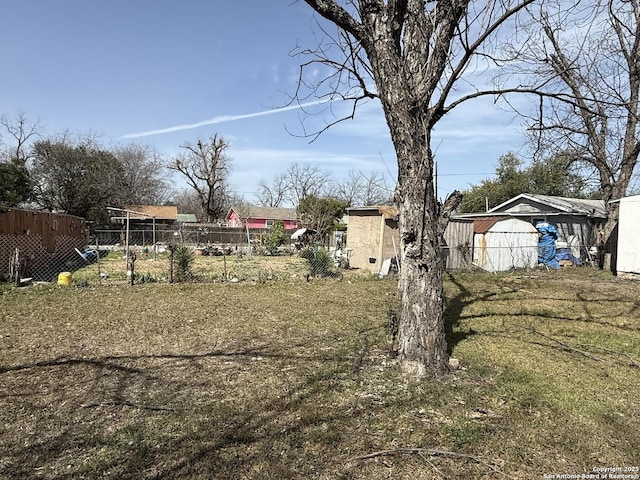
[(16, 186), (304, 180), (358, 189), (143, 170), (206, 167), (582, 61), (22, 131), (413, 56), (274, 194), (188, 201)]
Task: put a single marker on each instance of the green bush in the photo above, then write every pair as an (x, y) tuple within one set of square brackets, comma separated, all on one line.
[(148, 277), (276, 237), (320, 261)]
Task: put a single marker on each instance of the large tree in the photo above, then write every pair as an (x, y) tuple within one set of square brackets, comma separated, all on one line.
[(76, 177), (143, 175), (206, 167), (15, 183), (415, 53), (582, 62), (321, 214)]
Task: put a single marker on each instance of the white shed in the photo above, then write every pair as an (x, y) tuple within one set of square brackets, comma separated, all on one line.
[(628, 261), (501, 244)]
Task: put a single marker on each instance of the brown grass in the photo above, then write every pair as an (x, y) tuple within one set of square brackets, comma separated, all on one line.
[(289, 379), (253, 268)]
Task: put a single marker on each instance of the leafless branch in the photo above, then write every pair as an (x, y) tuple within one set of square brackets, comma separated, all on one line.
[(22, 131), (429, 452)]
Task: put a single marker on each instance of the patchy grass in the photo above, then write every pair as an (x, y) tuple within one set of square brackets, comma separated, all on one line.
[(291, 380), (253, 268)]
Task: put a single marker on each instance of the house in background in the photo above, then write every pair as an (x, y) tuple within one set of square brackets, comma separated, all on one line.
[(373, 236), (577, 220), (627, 262), (261, 217)]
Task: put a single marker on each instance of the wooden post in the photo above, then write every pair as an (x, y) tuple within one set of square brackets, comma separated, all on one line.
[(172, 249), (224, 263), (381, 243), (98, 261), (132, 265)]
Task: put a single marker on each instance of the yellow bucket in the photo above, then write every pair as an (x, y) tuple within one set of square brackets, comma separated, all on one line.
[(64, 278)]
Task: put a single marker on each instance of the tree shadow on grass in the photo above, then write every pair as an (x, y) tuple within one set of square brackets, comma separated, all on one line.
[(177, 415), (456, 304), (454, 307)]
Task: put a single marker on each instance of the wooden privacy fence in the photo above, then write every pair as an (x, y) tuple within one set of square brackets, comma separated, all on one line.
[(39, 244)]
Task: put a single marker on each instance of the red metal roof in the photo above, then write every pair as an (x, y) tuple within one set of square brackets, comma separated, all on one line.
[(484, 224)]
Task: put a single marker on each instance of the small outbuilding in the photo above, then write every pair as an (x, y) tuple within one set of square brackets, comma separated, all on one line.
[(373, 237), (575, 219), (628, 255), (503, 243)]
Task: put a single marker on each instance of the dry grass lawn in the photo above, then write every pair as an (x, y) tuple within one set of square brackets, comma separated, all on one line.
[(292, 379)]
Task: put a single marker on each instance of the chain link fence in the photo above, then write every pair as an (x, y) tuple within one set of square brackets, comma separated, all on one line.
[(165, 255), (172, 255)]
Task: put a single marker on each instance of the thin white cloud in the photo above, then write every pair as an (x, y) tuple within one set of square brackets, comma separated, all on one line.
[(221, 119)]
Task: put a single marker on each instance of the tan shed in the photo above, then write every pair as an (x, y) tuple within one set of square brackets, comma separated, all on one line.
[(372, 236)]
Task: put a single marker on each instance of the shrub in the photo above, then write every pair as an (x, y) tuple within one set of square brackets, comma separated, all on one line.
[(148, 277), (276, 237), (183, 258), (320, 261)]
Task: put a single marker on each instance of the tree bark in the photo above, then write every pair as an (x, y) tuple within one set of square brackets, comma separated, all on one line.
[(422, 345), (421, 333)]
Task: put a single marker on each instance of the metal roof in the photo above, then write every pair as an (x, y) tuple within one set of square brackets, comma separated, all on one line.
[(159, 212), (578, 206), (187, 218), (484, 224)]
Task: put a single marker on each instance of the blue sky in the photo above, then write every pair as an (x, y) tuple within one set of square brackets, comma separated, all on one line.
[(127, 69)]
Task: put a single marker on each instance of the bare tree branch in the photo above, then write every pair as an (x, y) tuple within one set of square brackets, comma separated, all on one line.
[(206, 168), (22, 131), (585, 63)]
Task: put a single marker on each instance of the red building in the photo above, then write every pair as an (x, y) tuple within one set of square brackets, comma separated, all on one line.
[(261, 217)]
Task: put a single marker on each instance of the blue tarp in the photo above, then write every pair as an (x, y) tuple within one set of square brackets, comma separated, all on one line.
[(565, 254), (547, 244)]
